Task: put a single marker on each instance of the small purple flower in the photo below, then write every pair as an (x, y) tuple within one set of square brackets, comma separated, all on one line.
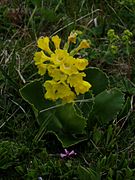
[(67, 153)]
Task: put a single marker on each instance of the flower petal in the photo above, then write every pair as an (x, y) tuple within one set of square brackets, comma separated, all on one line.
[(56, 40), (43, 43), (83, 45), (63, 155)]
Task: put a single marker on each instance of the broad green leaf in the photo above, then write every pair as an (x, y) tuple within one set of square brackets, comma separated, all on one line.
[(108, 104), (63, 121), (33, 93), (86, 104), (98, 79), (70, 120), (69, 139), (66, 124)]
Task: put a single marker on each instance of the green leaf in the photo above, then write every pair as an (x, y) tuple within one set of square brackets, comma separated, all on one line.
[(33, 93), (108, 104), (66, 124), (67, 139), (70, 120), (85, 105), (98, 79), (62, 120), (88, 174)]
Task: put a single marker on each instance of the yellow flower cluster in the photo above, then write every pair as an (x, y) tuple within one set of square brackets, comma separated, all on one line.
[(65, 70)]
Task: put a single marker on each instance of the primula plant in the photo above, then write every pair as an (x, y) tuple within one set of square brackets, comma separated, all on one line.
[(65, 70), (70, 96)]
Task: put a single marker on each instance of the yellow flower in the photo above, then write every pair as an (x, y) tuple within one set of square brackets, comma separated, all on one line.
[(72, 37), (56, 40), (69, 98), (83, 45), (56, 74), (67, 80), (42, 69), (62, 90), (81, 63), (82, 87), (59, 56), (55, 90), (50, 87), (43, 43), (68, 68), (40, 57), (75, 79)]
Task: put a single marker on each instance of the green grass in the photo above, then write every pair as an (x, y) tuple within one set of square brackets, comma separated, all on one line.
[(109, 152)]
